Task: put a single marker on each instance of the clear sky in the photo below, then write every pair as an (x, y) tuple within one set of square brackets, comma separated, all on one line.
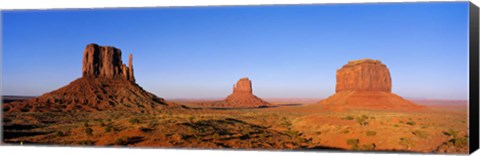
[(288, 51)]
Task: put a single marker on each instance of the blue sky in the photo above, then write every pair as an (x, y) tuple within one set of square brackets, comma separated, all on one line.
[(287, 50)]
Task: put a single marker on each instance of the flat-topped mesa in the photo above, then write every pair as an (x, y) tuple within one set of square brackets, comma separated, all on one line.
[(105, 62), (244, 85), (365, 84), (364, 75)]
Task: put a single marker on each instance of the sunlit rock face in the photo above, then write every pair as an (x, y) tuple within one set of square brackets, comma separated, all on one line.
[(105, 62), (365, 84), (364, 75)]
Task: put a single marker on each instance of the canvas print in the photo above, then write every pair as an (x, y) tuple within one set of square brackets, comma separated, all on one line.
[(390, 77)]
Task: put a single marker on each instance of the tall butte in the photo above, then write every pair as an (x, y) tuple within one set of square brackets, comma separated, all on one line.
[(365, 84), (106, 84), (242, 96)]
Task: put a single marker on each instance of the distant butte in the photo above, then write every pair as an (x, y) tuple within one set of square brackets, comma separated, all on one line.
[(106, 84), (242, 96), (365, 84)]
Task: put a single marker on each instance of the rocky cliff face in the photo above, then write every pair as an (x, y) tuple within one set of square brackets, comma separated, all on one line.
[(106, 84), (242, 96), (105, 62), (365, 84), (364, 75), (243, 86)]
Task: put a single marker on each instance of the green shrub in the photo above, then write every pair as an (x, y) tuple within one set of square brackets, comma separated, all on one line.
[(368, 146), (411, 123), (216, 136), (371, 133), (59, 133), (354, 143), (407, 142), (86, 142), (460, 142), (349, 117), (134, 121), (198, 137), (261, 135), (362, 120), (421, 134), (121, 141), (292, 133), (452, 133), (109, 128), (89, 131)]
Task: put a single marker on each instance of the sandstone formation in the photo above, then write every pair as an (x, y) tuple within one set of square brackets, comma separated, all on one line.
[(105, 62), (243, 86), (242, 97), (106, 84), (364, 75), (365, 84)]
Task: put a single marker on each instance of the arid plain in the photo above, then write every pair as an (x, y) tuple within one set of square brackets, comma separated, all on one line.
[(106, 107)]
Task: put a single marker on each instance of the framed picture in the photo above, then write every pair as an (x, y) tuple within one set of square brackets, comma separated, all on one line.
[(356, 77)]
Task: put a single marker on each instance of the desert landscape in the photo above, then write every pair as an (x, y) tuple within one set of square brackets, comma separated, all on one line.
[(107, 108)]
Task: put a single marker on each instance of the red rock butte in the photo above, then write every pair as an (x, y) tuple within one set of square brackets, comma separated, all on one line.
[(365, 84), (106, 84), (242, 96)]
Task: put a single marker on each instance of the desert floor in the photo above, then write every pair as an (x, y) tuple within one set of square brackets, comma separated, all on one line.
[(440, 129)]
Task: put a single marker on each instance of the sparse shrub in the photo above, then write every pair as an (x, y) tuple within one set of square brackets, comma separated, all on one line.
[(216, 136), (191, 118), (420, 134), (349, 117), (152, 124), (246, 132), (362, 120), (396, 125), (134, 121), (407, 142), (371, 133), (411, 123), (292, 133), (365, 116), (85, 124), (459, 142), (108, 128), (86, 142), (369, 146), (345, 131), (89, 131), (452, 133), (354, 143), (59, 133), (121, 141), (261, 135), (318, 132)]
